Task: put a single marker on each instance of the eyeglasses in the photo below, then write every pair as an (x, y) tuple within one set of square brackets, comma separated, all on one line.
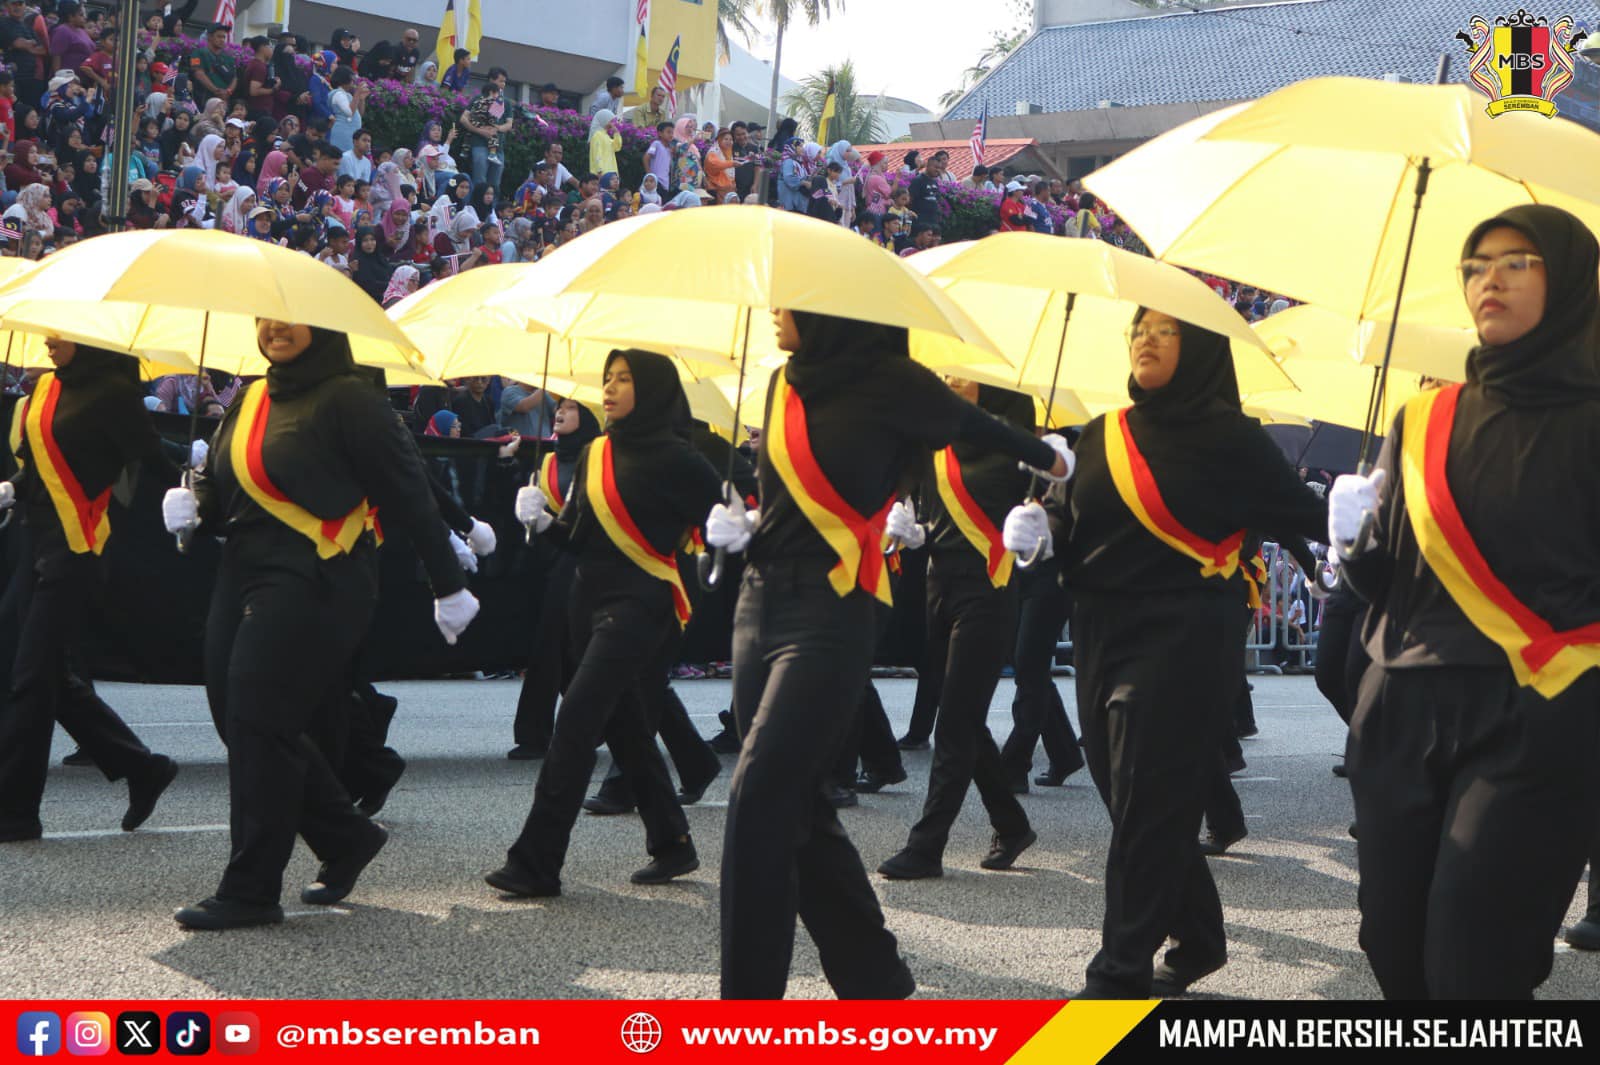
[(1154, 332), (1513, 266)]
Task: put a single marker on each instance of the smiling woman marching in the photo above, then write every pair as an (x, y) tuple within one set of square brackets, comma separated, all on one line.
[(638, 492), (297, 470), (848, 417), (83, 425), (1475, 744), (1156, 519)]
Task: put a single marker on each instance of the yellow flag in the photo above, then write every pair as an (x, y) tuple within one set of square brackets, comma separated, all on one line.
[(461, 27), (641, 73), (828, 107)]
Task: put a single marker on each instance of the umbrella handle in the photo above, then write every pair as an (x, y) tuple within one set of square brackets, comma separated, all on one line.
[(528, 527), (1033, 556), (710, 568), (5, 519), (185, 536)]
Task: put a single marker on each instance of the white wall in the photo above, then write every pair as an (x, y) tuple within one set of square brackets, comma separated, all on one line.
[(598, 29)]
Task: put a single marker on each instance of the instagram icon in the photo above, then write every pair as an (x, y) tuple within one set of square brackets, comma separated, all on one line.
[(88, 1034)]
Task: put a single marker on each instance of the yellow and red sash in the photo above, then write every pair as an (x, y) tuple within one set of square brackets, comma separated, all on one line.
[(857, 540), (970, 518), (332, 537), (550, 481), (1139, 491), (1542, 658), (83, 520), (600, 485), (1255, 577)]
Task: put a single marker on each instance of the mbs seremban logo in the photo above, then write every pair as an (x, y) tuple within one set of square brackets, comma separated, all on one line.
[(1521, 62)]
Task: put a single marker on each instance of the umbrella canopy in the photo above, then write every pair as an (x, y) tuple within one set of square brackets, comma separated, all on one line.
[(1302, 193), (1018, 286), (180, 296)]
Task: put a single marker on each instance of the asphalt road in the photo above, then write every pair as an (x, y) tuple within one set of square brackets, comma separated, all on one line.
[(87, 911)]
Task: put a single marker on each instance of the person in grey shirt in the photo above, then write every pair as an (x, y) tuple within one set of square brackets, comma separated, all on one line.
[(528, 410)]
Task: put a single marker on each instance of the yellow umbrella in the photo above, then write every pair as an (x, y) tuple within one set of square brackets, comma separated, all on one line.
[(176, 294), (1302, 193)]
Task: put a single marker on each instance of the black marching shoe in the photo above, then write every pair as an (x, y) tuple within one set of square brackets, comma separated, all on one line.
[(219, 915), (1004, 850), (21, 831), (1170, 981), (145, 789), (1212, 844), (1585, 935), (78, 759), (691, 793), (1340, 771), (370, 803), (1018, 783), (841, 797), (607, 803), (726, 741), (513, 879), (1056, 775), (910, 865), (912, 743), (337, 878), (527, 752), (679, 860), (870, 783)]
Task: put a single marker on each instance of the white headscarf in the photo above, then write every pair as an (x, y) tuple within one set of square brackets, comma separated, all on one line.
[(154, 106), (440, 214), (650, 189), (234, 218), (462, 226), (205, 157), (602, 118)]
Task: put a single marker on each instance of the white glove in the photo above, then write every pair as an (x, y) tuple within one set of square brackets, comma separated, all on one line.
[(180, 510), (1353, 498), (464, 555), (728, 530), (481, 538), (902, 526), (197, 454), (1025, 527), (508, 450), (1059, 444), (8, 494), (531, 508), (454, 613)]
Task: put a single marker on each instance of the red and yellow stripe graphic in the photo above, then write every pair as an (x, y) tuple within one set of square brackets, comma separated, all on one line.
[(858, 541), (331, 537), (1542, 658), (83, 520), (970, 518), (600, 484), (1139, 491), (550, 481)]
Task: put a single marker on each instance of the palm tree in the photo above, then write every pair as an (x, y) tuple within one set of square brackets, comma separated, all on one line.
[(1000, 47), (781, 11), (855, 117), (734, 16)]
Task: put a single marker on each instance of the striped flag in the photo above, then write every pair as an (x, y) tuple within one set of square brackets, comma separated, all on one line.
[(170, 77), (643, 12), (669, 74), (226, 10), (10, 231), (980, 133)]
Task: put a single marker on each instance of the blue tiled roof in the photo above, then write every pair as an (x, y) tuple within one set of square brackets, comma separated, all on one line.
[(1239, 53)]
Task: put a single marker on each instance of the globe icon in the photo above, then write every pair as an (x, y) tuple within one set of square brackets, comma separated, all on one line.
[(641, 1033)]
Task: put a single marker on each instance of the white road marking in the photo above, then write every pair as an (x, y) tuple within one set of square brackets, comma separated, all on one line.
[(94, 833)]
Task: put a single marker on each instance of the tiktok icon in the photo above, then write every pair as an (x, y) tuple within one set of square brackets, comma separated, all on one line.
[(188, 1034)]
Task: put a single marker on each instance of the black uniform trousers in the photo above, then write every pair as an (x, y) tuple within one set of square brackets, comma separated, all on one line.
[(801, 654), (624, 633), (975, 623), (280, 650), (690, 754), (1341, 659), (1156, 676), (1476, 801), (1037, 711), (551, 661), (1224, 812), (872, 741), (45, 610)]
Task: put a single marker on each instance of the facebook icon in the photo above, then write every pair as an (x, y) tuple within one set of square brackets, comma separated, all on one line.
[(38, 1034)]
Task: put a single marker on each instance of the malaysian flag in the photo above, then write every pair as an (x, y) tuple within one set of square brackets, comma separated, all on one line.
[(10, 231), (980, 132), (170, 77), (669, 74), (226, 11)]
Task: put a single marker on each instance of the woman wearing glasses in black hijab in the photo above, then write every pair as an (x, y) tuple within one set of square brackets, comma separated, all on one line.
[(1474, 752), (848, 417), (1152, 541), (638, 493)]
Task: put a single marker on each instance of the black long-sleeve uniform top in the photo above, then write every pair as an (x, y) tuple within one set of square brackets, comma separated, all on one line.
[(866, 450), (1245, 484), (101, 427), (327, 449)]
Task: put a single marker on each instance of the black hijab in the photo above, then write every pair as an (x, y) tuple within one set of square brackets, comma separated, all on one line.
[(660, 412), (838, 352), (91, 365), (569, 446), (1203, 386), (327, 357), (372, 271), (1558, 362)]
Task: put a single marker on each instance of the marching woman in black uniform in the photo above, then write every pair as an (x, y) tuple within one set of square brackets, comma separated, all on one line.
[(297, 470), (848, 416), (1474, 752), (552, 662), (967, 491), (638, 493), (1155, 523), (83, 425)]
